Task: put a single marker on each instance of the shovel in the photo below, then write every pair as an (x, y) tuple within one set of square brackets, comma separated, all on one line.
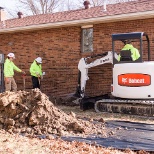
[(41, 78), (24, 78)]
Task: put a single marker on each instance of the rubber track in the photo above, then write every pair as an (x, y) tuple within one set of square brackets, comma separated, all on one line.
[(114, 101)]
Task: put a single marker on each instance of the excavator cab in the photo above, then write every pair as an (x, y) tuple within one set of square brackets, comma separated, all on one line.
[(133, 79), (136, 38)]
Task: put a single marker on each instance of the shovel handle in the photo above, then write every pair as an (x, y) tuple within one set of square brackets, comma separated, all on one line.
[(24, 77)]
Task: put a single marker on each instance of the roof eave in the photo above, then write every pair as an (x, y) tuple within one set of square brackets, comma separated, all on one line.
[(105, 19)]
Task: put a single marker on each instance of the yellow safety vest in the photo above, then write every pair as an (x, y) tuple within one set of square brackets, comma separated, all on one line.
[(9, 68), (35, 68), (134, 52)]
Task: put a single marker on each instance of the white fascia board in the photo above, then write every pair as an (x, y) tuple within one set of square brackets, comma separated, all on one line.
[(105, 19)]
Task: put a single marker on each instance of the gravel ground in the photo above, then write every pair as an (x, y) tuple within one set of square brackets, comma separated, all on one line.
[(106, 116)]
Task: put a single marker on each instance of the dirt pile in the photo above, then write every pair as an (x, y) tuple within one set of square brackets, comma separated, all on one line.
[(33, 114)]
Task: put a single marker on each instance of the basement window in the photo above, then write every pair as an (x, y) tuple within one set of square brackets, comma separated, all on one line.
[(87, 39)]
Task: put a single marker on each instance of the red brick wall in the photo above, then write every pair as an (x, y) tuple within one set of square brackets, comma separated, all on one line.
[(60, 50)]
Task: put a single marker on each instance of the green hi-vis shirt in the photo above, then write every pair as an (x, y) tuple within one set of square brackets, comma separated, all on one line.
[(134, 52), (35, 68), (9, 68)]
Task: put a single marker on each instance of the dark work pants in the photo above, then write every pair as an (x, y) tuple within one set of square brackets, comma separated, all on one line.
[(35, 82)]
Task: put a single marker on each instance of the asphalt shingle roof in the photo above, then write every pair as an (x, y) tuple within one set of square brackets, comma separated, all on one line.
[(94, 12)]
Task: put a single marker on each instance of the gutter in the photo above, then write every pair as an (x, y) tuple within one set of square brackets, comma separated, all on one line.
[(105, 19)]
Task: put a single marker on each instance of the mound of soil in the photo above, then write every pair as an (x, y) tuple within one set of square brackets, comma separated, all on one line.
[(33, 114)]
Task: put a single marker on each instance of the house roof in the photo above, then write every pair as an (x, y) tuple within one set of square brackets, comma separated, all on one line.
[(138, 6)]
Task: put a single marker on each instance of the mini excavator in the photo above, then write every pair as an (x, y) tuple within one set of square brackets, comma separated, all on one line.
[(132, 88)]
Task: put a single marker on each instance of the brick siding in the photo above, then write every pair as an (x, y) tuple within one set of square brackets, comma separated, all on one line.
[(60, 50)]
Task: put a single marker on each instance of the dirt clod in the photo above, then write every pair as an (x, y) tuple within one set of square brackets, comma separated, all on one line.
[(101, 120)]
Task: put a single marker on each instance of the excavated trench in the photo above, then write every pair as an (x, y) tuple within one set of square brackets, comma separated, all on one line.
[(33, 114)]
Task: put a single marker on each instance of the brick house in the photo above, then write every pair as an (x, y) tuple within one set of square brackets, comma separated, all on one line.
[(59, 39)]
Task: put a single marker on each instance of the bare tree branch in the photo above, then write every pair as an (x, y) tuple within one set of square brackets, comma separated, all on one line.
[(34, 7), (40, 6)]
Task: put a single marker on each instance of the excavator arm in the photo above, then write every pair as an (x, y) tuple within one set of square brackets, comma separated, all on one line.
[(83, 67)]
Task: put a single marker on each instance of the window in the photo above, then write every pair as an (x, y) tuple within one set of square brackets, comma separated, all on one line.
[(87, 39)]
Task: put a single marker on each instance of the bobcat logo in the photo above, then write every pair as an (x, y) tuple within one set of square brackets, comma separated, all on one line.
[(124, 80), (134, 79)]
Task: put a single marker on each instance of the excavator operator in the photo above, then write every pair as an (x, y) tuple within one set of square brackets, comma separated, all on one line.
[(134, 51)]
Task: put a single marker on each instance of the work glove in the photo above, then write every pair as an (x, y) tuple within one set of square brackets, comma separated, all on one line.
[(23, 73), (42, 75)]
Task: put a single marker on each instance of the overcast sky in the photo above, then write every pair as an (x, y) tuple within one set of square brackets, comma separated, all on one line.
[(7, 3), (12, 6)]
